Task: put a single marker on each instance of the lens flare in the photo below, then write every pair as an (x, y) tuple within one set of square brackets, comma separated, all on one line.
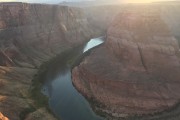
[(142, 1)]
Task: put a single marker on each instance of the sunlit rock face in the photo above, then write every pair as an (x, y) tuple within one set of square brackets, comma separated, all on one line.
[(137, 70), (2, 117)]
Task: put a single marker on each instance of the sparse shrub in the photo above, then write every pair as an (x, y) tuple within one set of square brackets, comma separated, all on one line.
[(1, 83)]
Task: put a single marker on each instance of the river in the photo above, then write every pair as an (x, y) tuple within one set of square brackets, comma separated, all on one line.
[(64, 100)]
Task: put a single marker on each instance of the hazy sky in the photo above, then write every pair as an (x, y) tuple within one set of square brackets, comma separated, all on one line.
[(40, 1), (58, 1)]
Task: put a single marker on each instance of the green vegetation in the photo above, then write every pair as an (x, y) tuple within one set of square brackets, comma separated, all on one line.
[(1, 83), (35, 93), (26, 111), (41, 100)]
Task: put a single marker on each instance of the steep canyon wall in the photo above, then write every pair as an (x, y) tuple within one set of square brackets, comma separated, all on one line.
[(31, 34)]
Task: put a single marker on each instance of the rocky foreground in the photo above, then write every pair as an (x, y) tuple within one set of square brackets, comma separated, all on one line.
[(137, 70)]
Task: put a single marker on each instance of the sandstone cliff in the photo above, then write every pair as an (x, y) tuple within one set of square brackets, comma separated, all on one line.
[(2, 117), (30, 35), (137, 70)]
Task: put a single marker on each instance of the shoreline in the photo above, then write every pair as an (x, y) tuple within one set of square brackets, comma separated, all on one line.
[(40, 99)]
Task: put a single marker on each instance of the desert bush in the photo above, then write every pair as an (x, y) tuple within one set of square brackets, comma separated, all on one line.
[(1, 83)]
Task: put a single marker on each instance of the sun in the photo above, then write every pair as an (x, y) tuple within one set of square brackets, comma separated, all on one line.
[(141, 1)]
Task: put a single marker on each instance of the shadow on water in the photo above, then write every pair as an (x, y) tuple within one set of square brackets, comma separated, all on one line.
[(64, 100)]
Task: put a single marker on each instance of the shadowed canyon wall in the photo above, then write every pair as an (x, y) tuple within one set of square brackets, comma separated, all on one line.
[(31, 34)]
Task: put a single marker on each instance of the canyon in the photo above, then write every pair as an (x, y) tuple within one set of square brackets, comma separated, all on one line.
[(135, 72), (30, 35)]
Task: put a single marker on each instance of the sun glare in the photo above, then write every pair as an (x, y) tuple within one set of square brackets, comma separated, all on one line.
[(141, 1)]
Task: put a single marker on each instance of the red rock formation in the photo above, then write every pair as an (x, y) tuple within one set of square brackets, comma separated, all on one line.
[(2, 117), (30, 35), (33, 33), (137, 70)]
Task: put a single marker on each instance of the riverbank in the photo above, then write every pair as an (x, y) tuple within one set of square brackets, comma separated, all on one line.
[(37, 82), (60, 91), (15, 95)]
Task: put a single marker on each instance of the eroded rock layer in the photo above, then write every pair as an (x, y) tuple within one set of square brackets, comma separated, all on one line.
[(33, 33), (137, 70), (30, 35), (2, 117)]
